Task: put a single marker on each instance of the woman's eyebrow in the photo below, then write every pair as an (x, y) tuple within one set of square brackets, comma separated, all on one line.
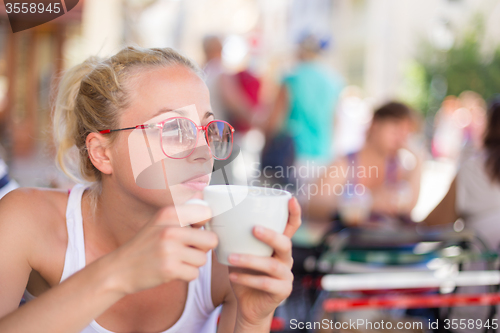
[(164, 110), (183, 113)]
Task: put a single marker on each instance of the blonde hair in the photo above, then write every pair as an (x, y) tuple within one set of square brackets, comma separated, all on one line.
[(89, 99)]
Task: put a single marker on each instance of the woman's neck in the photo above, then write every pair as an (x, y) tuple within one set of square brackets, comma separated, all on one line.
[(117, 216)]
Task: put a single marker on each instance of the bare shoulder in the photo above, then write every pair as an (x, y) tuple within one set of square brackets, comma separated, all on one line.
[(32, 205), (26, 214)]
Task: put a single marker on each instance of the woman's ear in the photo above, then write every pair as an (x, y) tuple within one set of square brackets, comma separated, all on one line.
[(99, 154)]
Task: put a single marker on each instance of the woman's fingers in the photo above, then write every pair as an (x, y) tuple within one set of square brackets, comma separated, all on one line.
[(265, 283), (193, 257), (183, 215), (187, 272), (281, 244), (200, 239), (294, 218), (268, 265)]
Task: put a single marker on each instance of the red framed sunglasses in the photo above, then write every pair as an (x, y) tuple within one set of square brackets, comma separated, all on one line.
[(179, 136)]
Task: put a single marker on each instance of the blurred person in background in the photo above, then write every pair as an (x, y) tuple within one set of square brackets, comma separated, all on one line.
[(6, 183), (381, 179), (474, 197), (448, 136), (304, 110), (234, 96), (474, 194), (353, 118), (459, 127), (475, 125)]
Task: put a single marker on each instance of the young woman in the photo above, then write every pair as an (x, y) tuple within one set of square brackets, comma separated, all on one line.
[(474, 194), (377, 169), (112, 257)]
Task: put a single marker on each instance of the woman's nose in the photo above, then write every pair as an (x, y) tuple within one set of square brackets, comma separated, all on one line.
[(202, 150)]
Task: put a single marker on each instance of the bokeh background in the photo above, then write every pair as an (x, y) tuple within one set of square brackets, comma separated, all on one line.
[(418, 52)]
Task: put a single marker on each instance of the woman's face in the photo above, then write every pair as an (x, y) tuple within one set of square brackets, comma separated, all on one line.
[(390, 135), (155, 95)]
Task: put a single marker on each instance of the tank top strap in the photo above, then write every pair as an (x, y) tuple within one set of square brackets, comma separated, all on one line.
[(75, 252)]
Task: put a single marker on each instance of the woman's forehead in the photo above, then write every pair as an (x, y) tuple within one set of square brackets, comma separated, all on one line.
[(189, 111), (166, 90)]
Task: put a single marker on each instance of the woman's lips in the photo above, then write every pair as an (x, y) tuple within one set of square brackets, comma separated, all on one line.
[(197, 183)]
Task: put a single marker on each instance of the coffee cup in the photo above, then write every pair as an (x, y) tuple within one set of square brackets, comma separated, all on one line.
[(236, 210)]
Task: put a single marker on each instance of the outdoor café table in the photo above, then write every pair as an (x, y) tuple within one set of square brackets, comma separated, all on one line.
[(383, 275)]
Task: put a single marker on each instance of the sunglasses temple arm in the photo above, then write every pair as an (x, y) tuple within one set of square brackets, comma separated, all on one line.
[(145, 126)]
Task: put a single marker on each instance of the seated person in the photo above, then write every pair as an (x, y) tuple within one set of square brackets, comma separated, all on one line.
[(474, 196), (382, 178)]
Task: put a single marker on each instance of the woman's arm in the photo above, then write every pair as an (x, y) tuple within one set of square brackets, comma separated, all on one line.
[(277, 113), (161, 251), (414, 178), (231, 321), (222, 293), (323, 201), (445, 212), (68, 307)]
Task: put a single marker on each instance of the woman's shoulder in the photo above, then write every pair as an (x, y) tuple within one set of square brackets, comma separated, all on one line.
[(33, 230), (472, 169), (472, 161), (31, 200), (33, 210)]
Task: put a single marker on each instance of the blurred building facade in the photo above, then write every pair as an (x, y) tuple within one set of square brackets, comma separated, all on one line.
[(30, 64), (370, 43)]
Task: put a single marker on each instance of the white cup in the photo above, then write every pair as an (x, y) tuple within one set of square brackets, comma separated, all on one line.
[(236, 210)]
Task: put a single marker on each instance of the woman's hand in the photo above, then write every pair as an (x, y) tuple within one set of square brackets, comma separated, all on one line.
[(163, 251), (260, 284)]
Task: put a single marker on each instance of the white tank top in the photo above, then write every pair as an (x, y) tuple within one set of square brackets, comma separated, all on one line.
[(198, 315)]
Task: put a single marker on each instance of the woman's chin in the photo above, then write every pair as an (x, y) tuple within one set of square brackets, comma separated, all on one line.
[(182, 193)]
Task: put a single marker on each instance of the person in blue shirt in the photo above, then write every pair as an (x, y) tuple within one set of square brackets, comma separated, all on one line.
[(305, 108)]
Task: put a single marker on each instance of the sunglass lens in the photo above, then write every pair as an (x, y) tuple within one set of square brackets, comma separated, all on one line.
[(178, 137), (220, 139)]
